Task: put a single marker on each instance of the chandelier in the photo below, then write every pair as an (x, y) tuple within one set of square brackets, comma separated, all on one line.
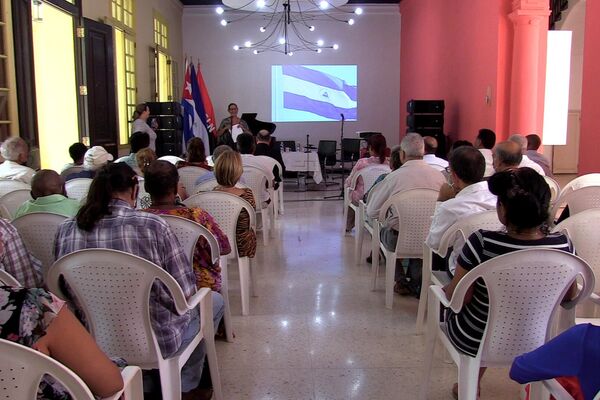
[(284, 23)]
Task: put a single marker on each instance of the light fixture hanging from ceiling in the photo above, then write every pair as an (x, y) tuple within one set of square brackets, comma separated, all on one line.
[(285, 22)]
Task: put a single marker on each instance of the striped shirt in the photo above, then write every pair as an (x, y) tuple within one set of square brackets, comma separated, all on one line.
[(147, 236), (16, 259), (466, 328)]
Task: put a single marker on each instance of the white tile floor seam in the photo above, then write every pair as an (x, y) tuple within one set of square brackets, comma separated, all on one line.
[(317, 331)]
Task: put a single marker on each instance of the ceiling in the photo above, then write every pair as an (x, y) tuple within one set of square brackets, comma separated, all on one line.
[(216, 2)]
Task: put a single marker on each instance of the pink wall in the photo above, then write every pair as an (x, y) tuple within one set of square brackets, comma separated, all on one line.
[(451, 50), (590, 97)]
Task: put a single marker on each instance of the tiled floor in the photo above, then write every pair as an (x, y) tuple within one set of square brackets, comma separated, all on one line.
[(317, 331)]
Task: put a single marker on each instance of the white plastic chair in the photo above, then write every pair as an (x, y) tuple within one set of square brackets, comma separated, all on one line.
[(7, 279), (525, 289), (582, 228), (414, 209), (578, 200), (188, 232), (456, 236), (189, 175), (257, 181), (8, 185), (10, 202), (278, 194), (581, 182), (122, 159), (225, 208), (172, 159), (24, 368), (113, 291), (141, 193), (78, 188), (552, 387), (205, 186), (38, 231), (554, 189), (363, 223), (368, 175)]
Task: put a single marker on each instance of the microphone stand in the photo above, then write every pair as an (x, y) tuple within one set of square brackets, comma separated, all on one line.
[(341, 195)]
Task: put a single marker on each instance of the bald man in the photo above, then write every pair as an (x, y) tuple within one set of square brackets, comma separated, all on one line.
[(49, 195), (526, 161), (430, 158), (507, 155)]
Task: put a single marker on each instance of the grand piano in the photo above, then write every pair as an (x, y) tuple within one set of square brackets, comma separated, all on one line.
[(256, 125)]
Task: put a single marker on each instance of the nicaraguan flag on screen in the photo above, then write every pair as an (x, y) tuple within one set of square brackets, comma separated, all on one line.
[(194, 115), (314, 93)]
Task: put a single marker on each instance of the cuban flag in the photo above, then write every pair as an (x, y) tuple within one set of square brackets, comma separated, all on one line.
[(317, 92), (194, 115), (207, 104)]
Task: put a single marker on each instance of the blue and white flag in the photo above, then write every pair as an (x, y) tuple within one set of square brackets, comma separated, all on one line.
[(317, 92)]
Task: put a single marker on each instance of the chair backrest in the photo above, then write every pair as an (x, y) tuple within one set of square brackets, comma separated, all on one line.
[(206, 186), (38, 231), (327, 151), (8, 185), (257, 181), (78, 188), (456, 236), (554, 188), (414, 209), (189, 175), (172, 159), (369, 175), (581, 182), (122, 159), (582, 228), (141, 193), (188, 232), (351, 149), (525, 289), (113, 289), (225, 208), (578, 200), (10, 202), (22, 369), (7, 279)]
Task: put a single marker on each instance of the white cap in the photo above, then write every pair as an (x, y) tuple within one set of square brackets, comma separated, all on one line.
[(95, 158)]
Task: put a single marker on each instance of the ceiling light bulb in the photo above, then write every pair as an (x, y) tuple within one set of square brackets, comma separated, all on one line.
[(281, 40), (323, 5), (358, 11), (351, 21), (260, 3), (291, 53), (262, 29), (236, 47), (320, 42), (220, 10), (248, 43), (311, 28), (223, 22), (255, 51), (335, 46), (319, 50)]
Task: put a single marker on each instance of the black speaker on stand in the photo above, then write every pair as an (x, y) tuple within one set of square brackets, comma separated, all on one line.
[(427, 118), (167, 122)]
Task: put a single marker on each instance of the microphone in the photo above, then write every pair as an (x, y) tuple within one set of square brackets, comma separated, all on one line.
[(342, 115)]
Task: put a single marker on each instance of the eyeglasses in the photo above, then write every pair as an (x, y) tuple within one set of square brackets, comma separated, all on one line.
[(447, 169)]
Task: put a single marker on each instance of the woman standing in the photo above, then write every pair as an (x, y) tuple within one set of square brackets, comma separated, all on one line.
[(140, 123), (228, 126)]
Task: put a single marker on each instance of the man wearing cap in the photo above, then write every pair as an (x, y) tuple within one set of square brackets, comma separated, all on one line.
[(93, 159)]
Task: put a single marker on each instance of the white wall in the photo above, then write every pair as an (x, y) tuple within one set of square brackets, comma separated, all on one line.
[(373, 44)]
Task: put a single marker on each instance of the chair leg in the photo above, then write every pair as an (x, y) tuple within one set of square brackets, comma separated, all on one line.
[(225, 294), (468, 378), (375, 259), (276, 202), (266, 223), (273, 212), (390, 270), (170, 379), (430, 338), (252, 273), (359, 234), (244, 266), (215, 374), (426, 281), (280, 190)]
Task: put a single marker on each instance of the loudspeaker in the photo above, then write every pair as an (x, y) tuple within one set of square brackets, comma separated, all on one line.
[(164, 108), (425, 106), (168, 142), (415, 122), (166, 121)]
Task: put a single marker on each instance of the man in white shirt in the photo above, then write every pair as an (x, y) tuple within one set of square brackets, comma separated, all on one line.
[(526, 161), (486, 139), (245, 144), (430, 158), (15, 153), (507, 155), (467, 194)]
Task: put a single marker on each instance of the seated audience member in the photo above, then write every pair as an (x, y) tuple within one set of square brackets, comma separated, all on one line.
[(160, 181), (228, 170), (245, 145), (467, 194), (76, 151), (507, 155), (414, 173), (144, 158), (523, 201), (15, 153), (486, 139), (137, 142), (196, 155), (49, 195), (394, 165), (265, 146), (533, 144), (108, 220), (211, 175), (35, 318), (574, 356), (94, 159), (376, 147), (430, 158), (525, 161), (16, 259)]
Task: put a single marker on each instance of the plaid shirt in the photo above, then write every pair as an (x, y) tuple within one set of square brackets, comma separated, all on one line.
[(147, 236), (16, 260)]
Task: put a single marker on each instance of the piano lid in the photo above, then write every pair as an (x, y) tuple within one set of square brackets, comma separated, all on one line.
[(256, 125)]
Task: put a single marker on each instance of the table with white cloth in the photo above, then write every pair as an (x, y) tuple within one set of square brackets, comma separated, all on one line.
[(303, 162)]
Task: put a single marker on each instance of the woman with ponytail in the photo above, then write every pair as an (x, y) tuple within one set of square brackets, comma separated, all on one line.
[(523, 202), (377, 151)]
